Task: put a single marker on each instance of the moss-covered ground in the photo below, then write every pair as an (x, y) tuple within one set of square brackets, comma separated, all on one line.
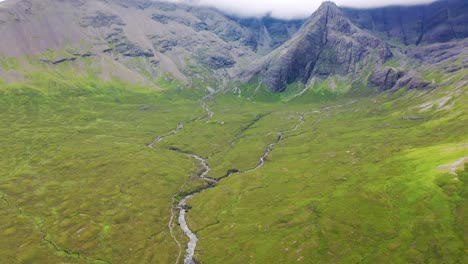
[(357, 183)]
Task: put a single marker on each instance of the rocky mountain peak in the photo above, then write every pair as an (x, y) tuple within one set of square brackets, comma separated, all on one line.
[(328, 44), (328, 4), (329, 16)]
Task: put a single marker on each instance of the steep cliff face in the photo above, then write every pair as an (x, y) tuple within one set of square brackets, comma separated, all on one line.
[(269, 33), (328, 44), (440, 21)]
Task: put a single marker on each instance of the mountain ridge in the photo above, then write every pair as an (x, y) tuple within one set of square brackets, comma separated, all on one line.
[(143, 41), (327, 44)]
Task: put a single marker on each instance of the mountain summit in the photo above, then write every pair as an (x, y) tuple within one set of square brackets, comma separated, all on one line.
[(328, 44)]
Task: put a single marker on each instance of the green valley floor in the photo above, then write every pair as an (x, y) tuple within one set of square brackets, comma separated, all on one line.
[(364, 179)]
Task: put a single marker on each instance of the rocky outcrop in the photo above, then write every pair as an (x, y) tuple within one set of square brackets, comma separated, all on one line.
[(412, 81), (129, 49), (122, 45), (389, 78), (440, 21), (268, 32), (328, 44), (448, 56), (162, 44), (58, 61), (73, 56), (217, 62), (165, 19), (386, 78), (101, 19)]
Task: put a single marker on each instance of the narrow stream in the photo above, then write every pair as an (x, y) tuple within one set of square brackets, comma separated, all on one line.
[(182, 205), (180, 126), (193, 239)]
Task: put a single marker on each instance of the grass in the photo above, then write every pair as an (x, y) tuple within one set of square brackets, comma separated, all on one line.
[(74, 160), (356, 183)]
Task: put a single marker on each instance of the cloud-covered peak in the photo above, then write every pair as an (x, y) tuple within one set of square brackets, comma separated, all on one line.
[(288, 9)]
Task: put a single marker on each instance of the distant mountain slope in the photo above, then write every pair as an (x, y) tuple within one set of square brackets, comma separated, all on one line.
[(137, 39), (148, 41), (379, 48), (440, 21)]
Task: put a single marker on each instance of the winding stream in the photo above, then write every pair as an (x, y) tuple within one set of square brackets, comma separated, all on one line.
[(182, 206), (180, 126)]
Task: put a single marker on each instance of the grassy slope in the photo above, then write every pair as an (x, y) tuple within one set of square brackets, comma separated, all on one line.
[(75, 169), (355, 183)]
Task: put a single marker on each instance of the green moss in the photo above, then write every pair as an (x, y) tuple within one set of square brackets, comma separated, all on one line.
[(8, 63), (355, 183)]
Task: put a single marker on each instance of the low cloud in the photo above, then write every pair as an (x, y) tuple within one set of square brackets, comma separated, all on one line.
[(288, 9)]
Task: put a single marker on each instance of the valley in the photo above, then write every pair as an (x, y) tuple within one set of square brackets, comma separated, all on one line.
[(137, 131), (335, 156)]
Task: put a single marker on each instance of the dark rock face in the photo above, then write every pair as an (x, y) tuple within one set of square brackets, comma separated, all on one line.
[(217, 62), (124, 46), (72, 57), (225, 28), (268, 31), (201, 26), (230, 35), (412, 81), (390, 78), (129, 49), (58, 61), (161, 18), (328, 44), (444, 55), (163, 45), (440, 21), (164, 19), (101, 19), (140, 4), (386, 78)]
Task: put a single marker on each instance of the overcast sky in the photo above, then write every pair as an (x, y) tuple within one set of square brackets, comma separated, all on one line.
[(291, 8)]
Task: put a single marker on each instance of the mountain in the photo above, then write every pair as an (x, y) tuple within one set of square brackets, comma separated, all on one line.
[(137, 40), (339, 45), (138, 131), (328, 44), (151, 42), (440, 21)]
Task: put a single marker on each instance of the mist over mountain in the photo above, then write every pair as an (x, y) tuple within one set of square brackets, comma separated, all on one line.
[(292, 9)]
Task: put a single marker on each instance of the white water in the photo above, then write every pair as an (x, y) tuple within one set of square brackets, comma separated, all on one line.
[(193, 239), (182, 205), (179, 127)]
